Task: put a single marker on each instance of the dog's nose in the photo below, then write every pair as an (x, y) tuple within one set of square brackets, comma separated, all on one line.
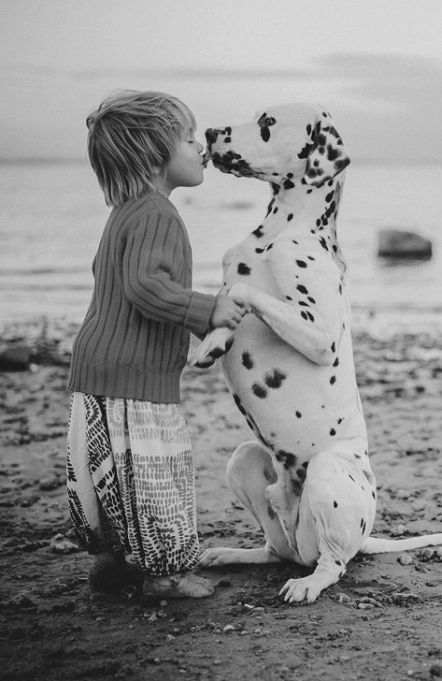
[(211, 135)]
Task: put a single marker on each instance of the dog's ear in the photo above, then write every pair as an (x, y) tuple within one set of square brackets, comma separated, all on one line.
[(325, 152)]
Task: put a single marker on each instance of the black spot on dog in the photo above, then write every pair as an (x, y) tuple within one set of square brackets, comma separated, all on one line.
[(247, 360), (243, 268), (332, 153), (216, 353), (304, 315), (258, 232), (288, 298), (259, 250), (269, 474), (298, 414), (310, 316), (332, 431), (302, 289), (373, 495), (332, 380), (303, 303), (289, 217), (265, 133), (301, 263), (259, 390), (310, 257), (296, 486), (323, 243), (368, 476), (305, 151), (288, 184), (341, 164), (312, 300), (295, 242), (340, 421), (335, 504), (329, 197), (275, 210), (336, 362), (274, 380), (269, 247), (338, 562), (287, 458), (333, 347)]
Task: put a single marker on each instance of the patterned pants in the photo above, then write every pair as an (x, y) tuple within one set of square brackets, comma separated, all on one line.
[(130, 481)]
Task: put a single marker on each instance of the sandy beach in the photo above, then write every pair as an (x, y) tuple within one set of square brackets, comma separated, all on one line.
[(381, 621)]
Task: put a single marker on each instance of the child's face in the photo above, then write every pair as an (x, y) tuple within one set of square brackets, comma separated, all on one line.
[(185, 168)]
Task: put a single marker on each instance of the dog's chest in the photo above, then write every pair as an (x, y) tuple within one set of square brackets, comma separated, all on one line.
[(247, 263)]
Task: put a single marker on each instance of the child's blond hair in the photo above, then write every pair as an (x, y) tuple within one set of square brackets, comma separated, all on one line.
[(131, 134)]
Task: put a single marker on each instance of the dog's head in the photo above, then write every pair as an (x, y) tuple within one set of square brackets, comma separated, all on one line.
[(281, 144)]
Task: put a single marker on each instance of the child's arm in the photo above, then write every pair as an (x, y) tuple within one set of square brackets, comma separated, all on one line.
[(151, 260)]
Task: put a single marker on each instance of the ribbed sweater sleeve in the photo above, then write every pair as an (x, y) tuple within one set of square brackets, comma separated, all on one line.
[(152, 258)]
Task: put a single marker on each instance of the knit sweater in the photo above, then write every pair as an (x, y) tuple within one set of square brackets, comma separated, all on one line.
[(134, 340)]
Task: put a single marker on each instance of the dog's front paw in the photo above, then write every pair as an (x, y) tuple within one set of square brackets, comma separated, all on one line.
[(303, 589), (215, 344)]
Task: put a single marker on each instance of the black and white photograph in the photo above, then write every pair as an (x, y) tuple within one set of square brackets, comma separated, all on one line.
[(221, 340)]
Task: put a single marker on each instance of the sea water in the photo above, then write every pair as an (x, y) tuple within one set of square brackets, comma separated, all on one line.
[(52, 215)]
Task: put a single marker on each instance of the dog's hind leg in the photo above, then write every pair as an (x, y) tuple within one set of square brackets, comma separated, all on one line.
[(336, 514), (249, 472)]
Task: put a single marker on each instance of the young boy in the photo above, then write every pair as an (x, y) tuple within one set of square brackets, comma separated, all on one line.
[(130, 466)]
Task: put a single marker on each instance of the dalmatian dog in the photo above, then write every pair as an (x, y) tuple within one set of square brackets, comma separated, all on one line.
[(306, 477)]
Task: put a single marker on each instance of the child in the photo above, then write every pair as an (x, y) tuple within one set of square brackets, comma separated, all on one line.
[(130, 466)]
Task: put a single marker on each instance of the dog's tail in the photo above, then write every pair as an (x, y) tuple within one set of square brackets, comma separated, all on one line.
[(377, 545)]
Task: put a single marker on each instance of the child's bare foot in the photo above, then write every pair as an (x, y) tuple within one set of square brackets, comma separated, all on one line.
[(185, 585), (110, 572)]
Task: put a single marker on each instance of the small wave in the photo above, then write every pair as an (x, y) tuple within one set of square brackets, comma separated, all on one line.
[(31, 271), (237, 205)]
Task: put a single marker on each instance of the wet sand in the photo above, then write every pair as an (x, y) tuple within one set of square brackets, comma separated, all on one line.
[(381, 621)]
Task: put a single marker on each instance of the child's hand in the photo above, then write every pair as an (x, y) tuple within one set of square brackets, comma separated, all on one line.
[(226, 312)]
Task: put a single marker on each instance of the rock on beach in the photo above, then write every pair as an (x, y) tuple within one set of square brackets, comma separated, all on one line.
[(397, 243)]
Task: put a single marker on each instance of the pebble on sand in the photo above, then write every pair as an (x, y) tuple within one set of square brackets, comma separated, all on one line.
[(405, 559)]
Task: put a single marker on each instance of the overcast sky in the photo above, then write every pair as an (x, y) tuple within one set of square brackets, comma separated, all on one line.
[(377, 65)]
